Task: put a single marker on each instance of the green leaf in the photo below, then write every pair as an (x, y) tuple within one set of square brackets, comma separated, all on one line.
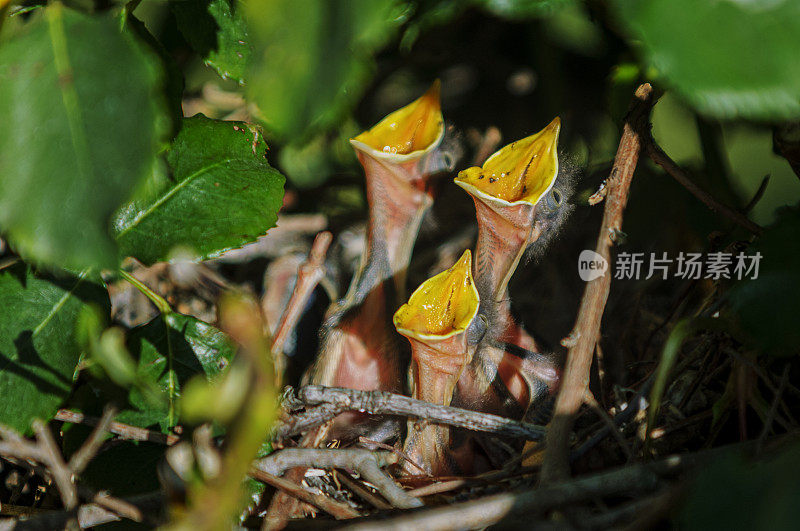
[(39, 348), (217, 31), (81, 120), (221, 194), (727, 58), (170, 350), (307, 74)]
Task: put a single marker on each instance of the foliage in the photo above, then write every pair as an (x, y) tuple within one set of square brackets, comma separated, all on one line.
[(100, 162), (729, 59), (39, 347), (306, 75), (82, 126), (221, 193), (217, 31)]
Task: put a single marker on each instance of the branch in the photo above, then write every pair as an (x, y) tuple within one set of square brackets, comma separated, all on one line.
[(367, 463), (338, 510), (308, 276), (587, 326), (658, 156), (90, 447), (125, 431), (331, 401), (633, 480)]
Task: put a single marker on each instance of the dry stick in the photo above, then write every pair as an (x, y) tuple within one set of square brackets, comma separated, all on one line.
[(336, 400), (630, 480), (91, 446), (367, 463), (591, 401), (633, 480), (89, 515), (308, 276), (117, 506), (62, 475), (338, 510), (773, 410), (361, 491), (585, 333), (125, 431), (658, 156)]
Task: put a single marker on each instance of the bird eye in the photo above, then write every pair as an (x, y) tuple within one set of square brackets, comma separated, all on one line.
[(449, 163), (553, 199)]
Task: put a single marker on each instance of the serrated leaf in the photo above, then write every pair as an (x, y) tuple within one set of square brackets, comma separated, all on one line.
[(217, 31), (81, 120), (39, 348), (728, 58), (170, 350), (222, 194), (306, 75)]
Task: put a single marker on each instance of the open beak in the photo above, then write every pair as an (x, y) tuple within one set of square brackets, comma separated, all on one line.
[(506, 191), (361, 350), (406, 133), (435, 320), (521, 172)]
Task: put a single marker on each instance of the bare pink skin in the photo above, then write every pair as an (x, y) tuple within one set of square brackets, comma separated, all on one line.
[(361, 349), (504, 232), (436, 366)]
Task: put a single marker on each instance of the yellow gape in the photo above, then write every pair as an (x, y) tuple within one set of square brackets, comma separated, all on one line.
[(443, 305), (415, 127), (522, 171)]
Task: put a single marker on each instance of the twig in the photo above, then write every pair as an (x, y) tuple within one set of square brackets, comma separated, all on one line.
[(773, 410), (89, 515), (308, 276), (62, 475), (91, 446), (116, 505), (361, 491), (332, 401), (397, 451), (367, 463), (587, 326), (658, 156), (634, 480), (438, 488), (591, 401), (338, 510), (125, 431)]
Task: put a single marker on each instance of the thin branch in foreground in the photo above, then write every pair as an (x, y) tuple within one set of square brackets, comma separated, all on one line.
[(331, 401), (338, 510), (54, 461), (587, 325), (367, 463), (125, 431), (90, 447)]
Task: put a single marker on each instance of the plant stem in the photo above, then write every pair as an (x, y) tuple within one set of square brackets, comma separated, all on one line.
[(159, 302)]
